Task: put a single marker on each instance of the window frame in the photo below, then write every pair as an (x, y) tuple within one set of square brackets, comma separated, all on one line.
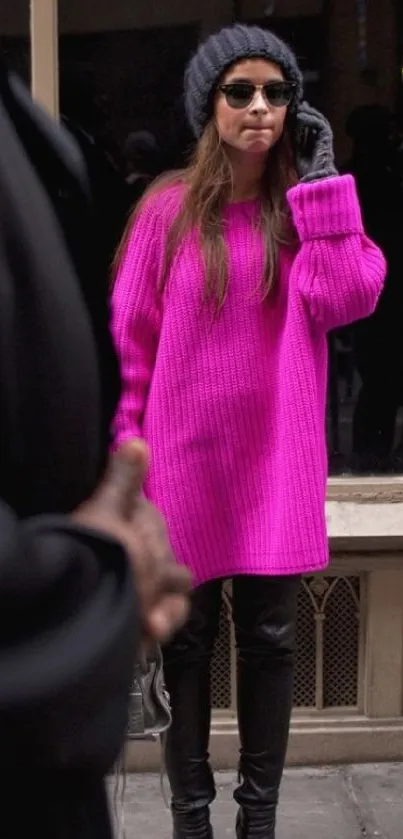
[(44, 36)]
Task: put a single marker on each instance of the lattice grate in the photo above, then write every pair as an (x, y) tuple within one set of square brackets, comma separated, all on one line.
[(328, 640), (221, 664), (341, 638), (305, 667)]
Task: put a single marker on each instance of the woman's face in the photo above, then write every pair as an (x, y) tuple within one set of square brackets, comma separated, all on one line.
[(257, 121)]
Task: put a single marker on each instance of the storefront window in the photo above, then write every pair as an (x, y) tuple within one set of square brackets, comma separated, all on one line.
[(14, 36), (365, 421), (121, 69)]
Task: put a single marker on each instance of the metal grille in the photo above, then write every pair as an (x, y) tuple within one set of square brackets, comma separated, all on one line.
[(305, 666), (328, 647), (221, 664), (341, 639)]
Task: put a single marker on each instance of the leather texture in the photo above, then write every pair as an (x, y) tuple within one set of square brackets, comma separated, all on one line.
[(264, 613)]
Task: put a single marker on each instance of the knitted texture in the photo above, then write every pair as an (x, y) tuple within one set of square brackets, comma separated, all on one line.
[(233, 408), (224, 49), (320, 162)]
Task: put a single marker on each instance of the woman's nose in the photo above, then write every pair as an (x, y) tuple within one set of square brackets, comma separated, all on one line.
[(259, 104)]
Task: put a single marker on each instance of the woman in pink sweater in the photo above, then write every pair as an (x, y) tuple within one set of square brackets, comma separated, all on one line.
[(230, 276)]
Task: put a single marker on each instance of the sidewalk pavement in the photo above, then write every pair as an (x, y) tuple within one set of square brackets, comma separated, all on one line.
[(329, 803)]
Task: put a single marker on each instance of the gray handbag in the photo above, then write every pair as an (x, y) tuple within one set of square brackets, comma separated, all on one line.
[(149, 719), (149, 706)]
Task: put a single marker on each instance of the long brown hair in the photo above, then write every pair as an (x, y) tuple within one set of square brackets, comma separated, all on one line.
[(208, 187)]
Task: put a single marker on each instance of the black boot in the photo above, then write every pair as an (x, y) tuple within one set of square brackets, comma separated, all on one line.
[(192, 825), (187, 674), (187, 763), (256, 818), (265, 616)]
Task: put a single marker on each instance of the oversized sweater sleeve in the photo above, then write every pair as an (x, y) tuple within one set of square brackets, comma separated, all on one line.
[(338, 270), (136, 319)]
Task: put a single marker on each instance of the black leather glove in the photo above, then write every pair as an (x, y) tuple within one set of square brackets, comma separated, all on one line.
[(315, 153)]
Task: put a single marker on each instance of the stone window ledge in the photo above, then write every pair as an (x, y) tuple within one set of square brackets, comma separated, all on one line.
[(380, 490), (362, 524)]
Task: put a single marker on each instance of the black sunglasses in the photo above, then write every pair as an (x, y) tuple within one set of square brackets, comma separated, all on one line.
[(241, 94)]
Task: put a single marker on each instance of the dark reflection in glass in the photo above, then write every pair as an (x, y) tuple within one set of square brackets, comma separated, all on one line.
[(121, 71), (120, 95), (14, 36), (367, 358)]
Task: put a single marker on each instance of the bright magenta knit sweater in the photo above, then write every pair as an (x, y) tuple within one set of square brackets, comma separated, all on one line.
[(233, 408)]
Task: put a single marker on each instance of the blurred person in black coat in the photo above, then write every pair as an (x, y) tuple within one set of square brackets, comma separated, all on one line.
[(85, 569)]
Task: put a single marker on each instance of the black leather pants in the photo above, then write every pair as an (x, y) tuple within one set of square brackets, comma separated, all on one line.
[(264, 611)]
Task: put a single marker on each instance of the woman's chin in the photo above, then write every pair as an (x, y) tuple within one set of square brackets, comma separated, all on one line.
[(258, 147)]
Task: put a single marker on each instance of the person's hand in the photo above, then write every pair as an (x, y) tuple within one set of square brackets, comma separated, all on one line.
[(118, 509), (315, 154)]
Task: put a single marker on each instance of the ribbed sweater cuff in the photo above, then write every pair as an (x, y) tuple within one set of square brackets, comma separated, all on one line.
[(326, 208)]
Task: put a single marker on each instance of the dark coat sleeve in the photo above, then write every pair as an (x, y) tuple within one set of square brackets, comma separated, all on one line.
[(68, 614), (68, 639)]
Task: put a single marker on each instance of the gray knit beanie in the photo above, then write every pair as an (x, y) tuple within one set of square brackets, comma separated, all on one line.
[(220, 52)]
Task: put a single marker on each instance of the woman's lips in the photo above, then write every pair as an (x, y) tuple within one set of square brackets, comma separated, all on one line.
[(258, 128)]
